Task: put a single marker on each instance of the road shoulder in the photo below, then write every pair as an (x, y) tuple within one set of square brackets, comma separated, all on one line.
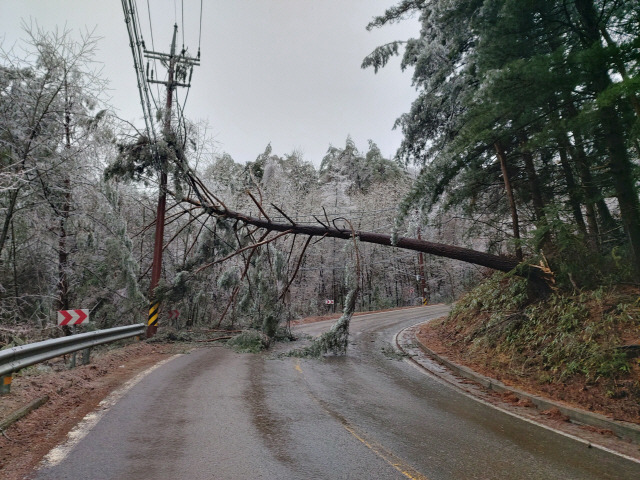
[(72, 394), (595, 431)]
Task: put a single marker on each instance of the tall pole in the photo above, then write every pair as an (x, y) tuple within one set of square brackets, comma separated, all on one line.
[(156, 271), (173, 62)]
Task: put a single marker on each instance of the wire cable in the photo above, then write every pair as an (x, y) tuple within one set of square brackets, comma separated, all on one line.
[(130, 20), (200, 32), (153, 47), (186, 96), (182, 5), (138, 28), (129, 8)]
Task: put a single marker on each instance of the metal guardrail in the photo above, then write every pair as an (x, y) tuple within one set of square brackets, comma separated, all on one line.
[(16, 358)]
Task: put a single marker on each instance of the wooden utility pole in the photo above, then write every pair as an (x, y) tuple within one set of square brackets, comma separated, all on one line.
[(177, 66)]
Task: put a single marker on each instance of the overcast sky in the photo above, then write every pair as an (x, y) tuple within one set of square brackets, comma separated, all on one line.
[(280, 71)]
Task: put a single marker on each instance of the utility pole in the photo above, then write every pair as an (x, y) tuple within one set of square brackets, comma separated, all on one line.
[(177, 67)]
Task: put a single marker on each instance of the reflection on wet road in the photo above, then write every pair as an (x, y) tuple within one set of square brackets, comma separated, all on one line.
[(215, 414)]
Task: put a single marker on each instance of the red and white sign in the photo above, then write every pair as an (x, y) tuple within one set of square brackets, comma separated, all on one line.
[(329, 302), (173, 314), (73, 317)]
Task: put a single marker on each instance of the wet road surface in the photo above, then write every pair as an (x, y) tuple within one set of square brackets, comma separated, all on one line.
[(215, 414)]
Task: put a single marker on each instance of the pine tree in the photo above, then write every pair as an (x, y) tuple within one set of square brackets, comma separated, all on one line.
[(531, 81)]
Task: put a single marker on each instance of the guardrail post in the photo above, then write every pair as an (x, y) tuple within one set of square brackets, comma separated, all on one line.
[(86, 356), (5, 384), (72, 365)]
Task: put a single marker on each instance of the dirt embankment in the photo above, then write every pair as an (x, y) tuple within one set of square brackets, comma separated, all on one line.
[(616, 398), (71, 395)]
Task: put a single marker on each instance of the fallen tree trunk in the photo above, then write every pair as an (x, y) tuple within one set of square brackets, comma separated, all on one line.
[(495, 262)]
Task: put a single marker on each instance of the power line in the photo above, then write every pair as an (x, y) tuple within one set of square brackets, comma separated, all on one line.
[(200, 31), (136, 44), (150, 25), (153, 47), (182, 5), (139, 29)]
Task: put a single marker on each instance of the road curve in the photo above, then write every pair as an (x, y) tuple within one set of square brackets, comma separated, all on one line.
[(215, 414)]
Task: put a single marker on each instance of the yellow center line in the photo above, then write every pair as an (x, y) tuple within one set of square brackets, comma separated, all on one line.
[(389, 457)]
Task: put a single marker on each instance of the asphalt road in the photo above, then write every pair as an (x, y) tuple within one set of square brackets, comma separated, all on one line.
[(215, 414)]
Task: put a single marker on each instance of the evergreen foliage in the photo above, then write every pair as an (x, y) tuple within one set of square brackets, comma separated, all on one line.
[(336, 339), (77, 193), (250, 341), (356, 171), (549, 86)]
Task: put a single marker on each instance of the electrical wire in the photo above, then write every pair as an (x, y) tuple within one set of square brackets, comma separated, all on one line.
[(186, 96), (182, 4), (361, 213), (391, 260), (180, 115), (138, 25), (130, 12), (200, 32), (153, 47)]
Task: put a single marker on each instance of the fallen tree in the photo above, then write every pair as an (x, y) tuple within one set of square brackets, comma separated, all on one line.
[(329, 228)]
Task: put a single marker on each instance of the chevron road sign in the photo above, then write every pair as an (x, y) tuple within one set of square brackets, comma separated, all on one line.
[(73, 317), (173, 314)]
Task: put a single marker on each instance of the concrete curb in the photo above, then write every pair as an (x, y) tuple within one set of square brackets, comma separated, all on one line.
[(625, 430)]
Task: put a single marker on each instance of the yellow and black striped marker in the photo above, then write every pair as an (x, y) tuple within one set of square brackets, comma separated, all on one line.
[(154, 309), (5, 384)]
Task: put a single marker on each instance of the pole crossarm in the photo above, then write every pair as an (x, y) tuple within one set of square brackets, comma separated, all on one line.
[(165, 57), (173, 84)]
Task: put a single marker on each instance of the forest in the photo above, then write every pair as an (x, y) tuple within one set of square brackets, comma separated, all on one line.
[(527, 123), (79, 206), (522, 148)]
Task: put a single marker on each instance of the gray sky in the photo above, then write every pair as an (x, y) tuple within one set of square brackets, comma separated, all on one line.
[(280, 71)]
